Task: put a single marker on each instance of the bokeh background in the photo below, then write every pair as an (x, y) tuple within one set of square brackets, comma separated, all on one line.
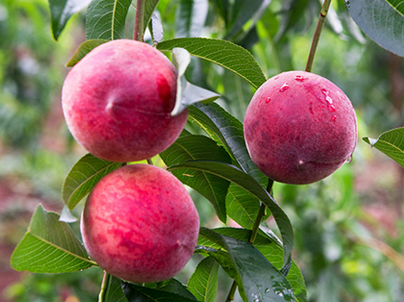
[(348, 227)]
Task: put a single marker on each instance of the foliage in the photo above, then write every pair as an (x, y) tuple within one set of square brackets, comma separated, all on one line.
[(247, 42)]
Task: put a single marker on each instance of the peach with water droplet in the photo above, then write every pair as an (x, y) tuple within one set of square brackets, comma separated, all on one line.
[(140, 224), (117, 101), (305, 133)]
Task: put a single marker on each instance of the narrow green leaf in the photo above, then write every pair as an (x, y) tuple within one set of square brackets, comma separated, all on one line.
[(249, 184), (84, 49), (61, 11), (381, 20), (221, 52), (105, 19), (137, 293), (83, 177), (260, 280), (204, 281), (198, 147), (49, 246), (229, 131), (241, 206), (390, 143), (114, 291), (191, 17), (149, 8)]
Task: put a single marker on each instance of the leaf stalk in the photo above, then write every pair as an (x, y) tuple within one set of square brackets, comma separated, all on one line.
[(139, 26), (104, 285)]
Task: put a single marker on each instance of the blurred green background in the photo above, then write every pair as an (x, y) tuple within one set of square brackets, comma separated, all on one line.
[(349, 243)]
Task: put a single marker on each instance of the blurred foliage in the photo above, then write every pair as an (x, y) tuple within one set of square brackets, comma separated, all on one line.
[(333, 233)]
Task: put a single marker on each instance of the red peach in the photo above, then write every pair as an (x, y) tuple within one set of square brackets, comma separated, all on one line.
[(117, 101), (140, 224), (299, 128)]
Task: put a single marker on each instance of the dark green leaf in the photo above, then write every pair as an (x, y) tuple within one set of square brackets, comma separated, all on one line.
[(229, 131), (114, 292), (224, 53), (390, 143), (204, 281), (49, 246), (149, 7), (260, 280), (61, 11), (190, 19), (249, 184), (172, 286), (83, 177), (381, 20), (198, 147), (84, 49), (105, 19), (136, 293)]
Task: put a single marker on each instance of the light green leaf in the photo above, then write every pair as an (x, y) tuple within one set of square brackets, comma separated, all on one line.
[(249, 184), (390, 143), (61, 11), (105, 19), (49, 246), (83, 177), (84, 49), (114, 292), (204, 281), (190, 18), (381, 20), (221, 52)]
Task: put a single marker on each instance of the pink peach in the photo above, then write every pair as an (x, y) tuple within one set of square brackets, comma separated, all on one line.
[(299, 128), (140, 224), (117, 101)]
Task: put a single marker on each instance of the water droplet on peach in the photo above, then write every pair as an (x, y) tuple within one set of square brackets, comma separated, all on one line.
[(349, 159), (331, 107), (267, 100), (334, 117), (284, 87), (299, 78)]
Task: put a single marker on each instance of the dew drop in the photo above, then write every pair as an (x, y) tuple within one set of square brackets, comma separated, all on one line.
[(277, 77), (334, 117), (267, 100), (331, 108), (349, 159), (311, 107), (284, 87), (267, 290), (299, 78)]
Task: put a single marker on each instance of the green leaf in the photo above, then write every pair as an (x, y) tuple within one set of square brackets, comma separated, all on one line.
[(187, 94), (83, 177), (61, 11), (229, 131), (149, 7), (381, 20), (390, 143), (190, 18), (258, 280), (245, 11), (204, 281), (172, 286), (241, 206), (137, 293), (84, 49), (49, 246), (249, 184), (273, 253), (114, 292), (221, 52), (105, 19), (198, 147)]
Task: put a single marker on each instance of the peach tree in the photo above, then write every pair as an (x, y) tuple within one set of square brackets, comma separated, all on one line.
[(117, 103)]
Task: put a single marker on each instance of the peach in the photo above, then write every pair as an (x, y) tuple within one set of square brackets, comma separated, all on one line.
[(117, 101), (299, 128), (140, 224)]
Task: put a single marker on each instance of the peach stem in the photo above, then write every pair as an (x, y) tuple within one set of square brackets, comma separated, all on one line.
[(317, 33), (139, 26)]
